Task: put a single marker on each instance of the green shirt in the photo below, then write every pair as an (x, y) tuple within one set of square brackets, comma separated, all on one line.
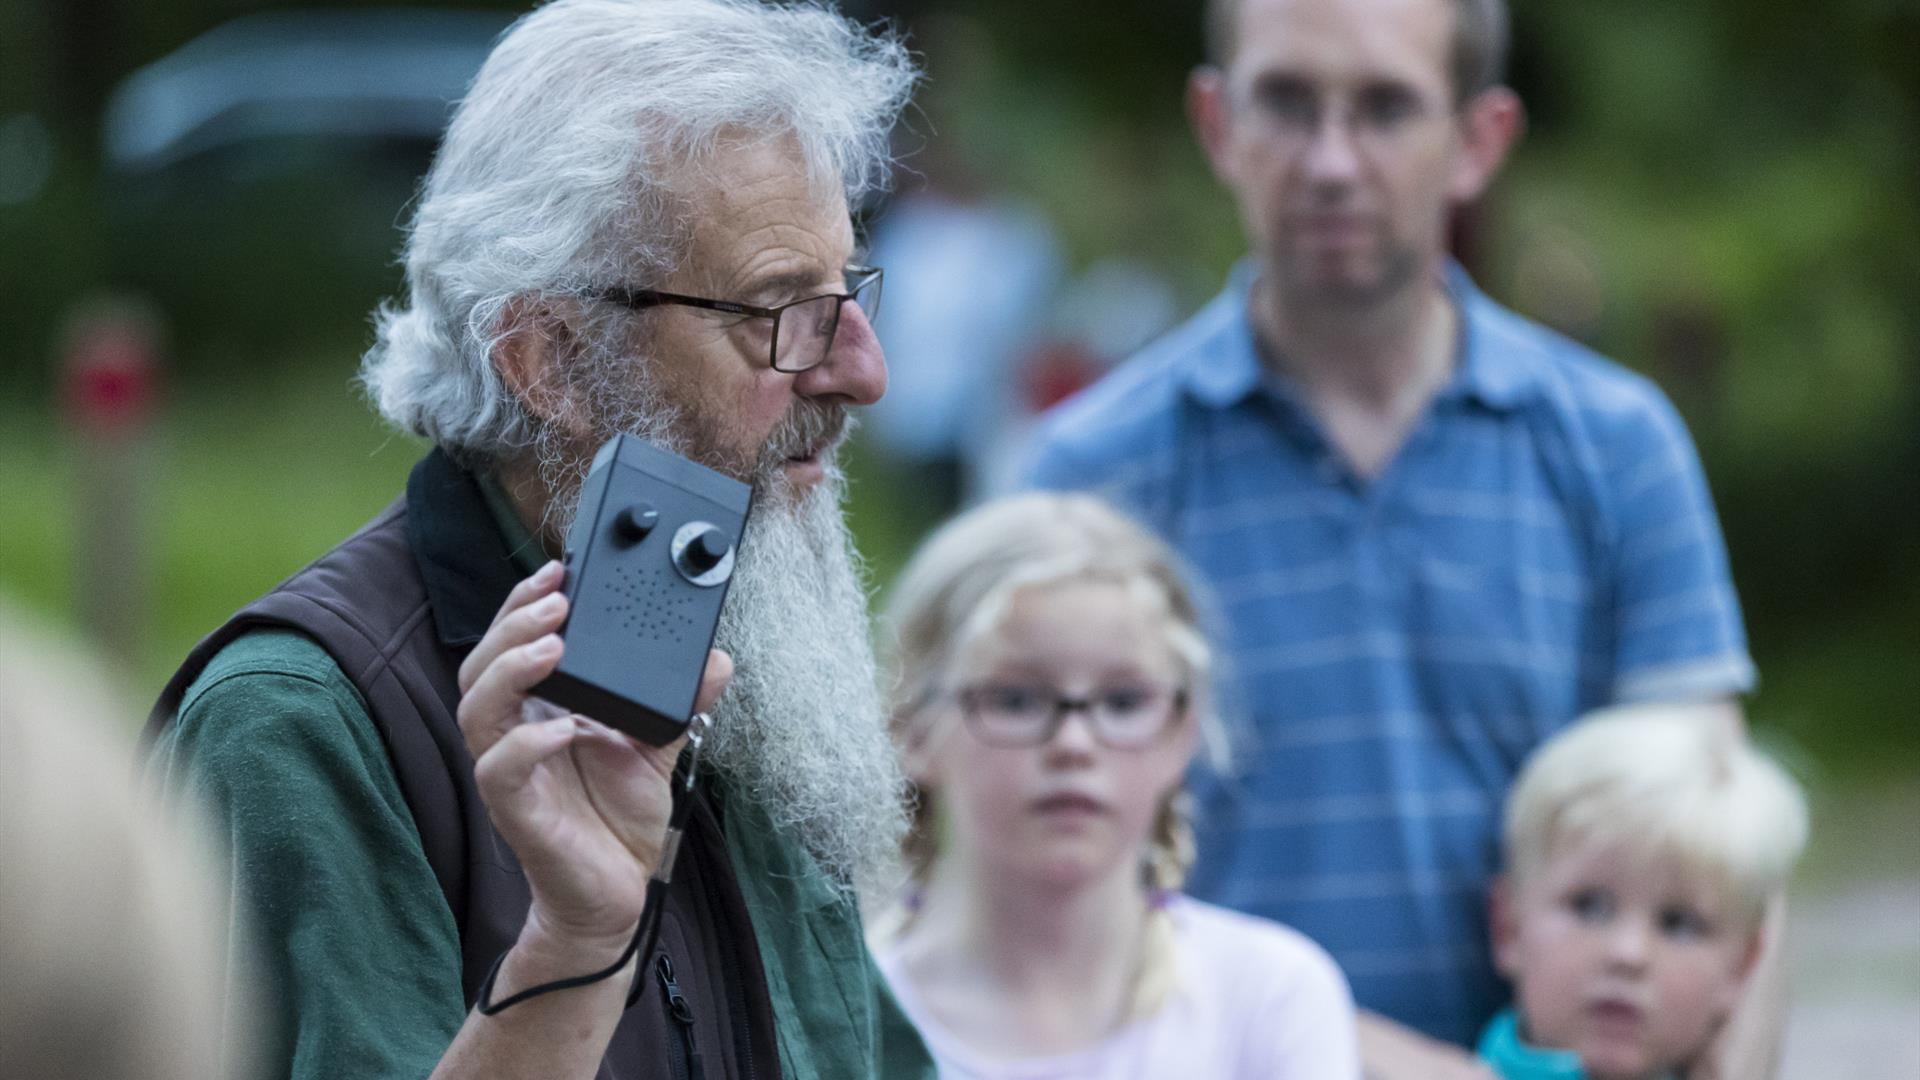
[(353, 935)]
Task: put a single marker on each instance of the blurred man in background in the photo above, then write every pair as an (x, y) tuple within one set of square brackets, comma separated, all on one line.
[(638, 222), (1440, 532)]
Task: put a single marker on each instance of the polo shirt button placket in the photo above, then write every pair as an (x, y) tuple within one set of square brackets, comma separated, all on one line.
[(1374, 565)]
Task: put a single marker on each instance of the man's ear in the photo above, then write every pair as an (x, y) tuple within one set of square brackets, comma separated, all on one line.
[(534, 336), (1489, 126), (1210, 114), (1504, 927)]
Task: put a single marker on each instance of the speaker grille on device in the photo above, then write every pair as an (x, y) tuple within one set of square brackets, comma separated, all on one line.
[(650, 606)]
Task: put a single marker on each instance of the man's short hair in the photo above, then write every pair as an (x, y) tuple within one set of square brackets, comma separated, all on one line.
[(569, 163), (1661, 781), (1479, 55)]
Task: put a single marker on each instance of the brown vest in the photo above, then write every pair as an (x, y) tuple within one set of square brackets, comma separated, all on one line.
[(398, 605)]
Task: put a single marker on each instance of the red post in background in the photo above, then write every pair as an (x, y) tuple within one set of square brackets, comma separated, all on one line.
[(110, 390)]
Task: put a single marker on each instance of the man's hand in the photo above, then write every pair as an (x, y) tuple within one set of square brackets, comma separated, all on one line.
[(1747, 1046), (1391, 1051), (584, 807)]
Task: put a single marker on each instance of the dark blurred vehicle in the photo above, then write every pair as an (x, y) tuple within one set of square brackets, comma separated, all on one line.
[(256, 177)]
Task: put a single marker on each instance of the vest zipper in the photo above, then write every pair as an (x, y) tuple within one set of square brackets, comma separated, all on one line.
[(739, 1010), (682, 1015)]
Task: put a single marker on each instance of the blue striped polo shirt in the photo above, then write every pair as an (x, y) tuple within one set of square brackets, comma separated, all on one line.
[(1543, 544)]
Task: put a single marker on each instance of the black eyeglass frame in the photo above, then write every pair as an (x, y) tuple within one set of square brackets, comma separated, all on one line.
[(858, 278), (1062, 705)]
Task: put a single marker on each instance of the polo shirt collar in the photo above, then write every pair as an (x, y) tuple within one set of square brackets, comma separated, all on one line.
[(1226, 369), (468, 563), (1492, 368)]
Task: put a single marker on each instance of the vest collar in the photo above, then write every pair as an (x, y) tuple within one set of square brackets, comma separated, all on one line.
[(467, 564)]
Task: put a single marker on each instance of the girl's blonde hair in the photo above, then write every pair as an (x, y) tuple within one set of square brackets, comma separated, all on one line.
[(960, 585), (1662, 781)]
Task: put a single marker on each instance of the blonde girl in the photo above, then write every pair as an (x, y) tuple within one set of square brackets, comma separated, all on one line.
[(1051, 689)]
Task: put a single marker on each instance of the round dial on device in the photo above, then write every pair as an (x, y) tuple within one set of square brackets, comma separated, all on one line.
[(702, 553)]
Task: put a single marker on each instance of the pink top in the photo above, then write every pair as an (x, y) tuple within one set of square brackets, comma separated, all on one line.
[(1255, 1001)]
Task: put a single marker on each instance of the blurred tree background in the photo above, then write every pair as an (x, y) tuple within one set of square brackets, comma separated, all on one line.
[(1723, 195)]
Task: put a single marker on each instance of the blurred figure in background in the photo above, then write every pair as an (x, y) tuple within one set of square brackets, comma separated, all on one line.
[(969, 281), (1098, 318), (971, 275), (1442, 532), (113, 915), (1643, 846), (1052, 686)]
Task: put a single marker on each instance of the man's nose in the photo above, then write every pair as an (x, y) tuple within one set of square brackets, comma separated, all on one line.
[(1333, 156), (855, 369)]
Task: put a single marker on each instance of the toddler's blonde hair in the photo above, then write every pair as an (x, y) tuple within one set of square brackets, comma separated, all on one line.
[(1662, 782)]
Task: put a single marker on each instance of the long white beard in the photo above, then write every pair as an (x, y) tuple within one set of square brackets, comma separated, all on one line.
[(802, 727)]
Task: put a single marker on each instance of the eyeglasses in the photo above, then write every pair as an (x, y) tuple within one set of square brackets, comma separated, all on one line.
[(802, 330), (1123, 717)]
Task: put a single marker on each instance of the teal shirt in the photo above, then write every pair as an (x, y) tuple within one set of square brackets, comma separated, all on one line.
[(1502, 1048), (1513, 1058), (353, 936)]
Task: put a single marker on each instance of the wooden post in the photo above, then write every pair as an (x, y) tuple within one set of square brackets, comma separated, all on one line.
[(110, 390)]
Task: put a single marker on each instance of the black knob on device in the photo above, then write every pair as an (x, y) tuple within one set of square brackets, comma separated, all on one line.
[(636, 521), (704, 551)]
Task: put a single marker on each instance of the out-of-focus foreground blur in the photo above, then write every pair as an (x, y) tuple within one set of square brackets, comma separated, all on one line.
[(113, 908), (200, 201)]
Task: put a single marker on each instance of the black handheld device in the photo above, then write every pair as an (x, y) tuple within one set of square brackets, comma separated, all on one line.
[(648, 561)]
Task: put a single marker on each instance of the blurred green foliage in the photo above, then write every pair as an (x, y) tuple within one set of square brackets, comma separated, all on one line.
[(1724, 195)]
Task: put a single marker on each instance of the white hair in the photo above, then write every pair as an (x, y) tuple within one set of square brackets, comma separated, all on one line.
[(1661, 781), (565, 167), (801, 727)]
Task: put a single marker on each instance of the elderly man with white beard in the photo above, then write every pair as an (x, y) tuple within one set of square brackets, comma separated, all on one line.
[(638, 222)]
